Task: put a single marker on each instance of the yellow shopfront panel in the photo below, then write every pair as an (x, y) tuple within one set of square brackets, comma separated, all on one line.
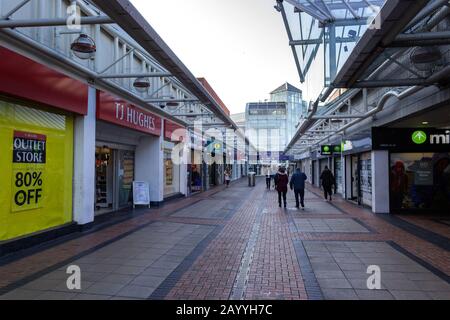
[(36, 162)]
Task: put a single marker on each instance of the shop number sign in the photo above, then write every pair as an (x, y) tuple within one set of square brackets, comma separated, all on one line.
[(29, 158)]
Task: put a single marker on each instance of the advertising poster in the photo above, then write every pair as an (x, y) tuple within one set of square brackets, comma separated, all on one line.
[(141, 193), (29, 160)]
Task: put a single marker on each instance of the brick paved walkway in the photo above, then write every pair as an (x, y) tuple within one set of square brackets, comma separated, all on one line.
[(236, 243)]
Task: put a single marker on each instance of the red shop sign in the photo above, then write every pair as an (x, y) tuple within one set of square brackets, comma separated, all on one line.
[(122, 113), (24, 78), (174, 132)]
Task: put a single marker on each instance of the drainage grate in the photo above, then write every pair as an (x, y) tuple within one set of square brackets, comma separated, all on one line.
[(247, 258)]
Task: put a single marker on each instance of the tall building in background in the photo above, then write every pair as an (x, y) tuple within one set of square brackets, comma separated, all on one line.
[(295, 107), (271, 124)]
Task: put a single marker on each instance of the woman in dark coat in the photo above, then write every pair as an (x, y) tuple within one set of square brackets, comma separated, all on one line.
[(282, 181)]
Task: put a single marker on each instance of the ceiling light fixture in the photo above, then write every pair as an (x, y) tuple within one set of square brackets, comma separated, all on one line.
[(83, 47)]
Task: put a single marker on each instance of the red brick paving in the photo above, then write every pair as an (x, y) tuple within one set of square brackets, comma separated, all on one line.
[(213, 274), (275, 272)]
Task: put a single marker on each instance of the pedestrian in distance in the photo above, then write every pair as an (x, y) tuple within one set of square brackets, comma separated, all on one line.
[(328, 181), (282, 181), (297, 184), (227, 177), (268, 175)]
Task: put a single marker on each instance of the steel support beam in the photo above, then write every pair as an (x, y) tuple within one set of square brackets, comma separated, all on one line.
[(320, 41), (421, 39), (294, 51), (171, 100), (136, 75), (389, 83), (53, 22), (192, 114), (15, 9), (338, 116)]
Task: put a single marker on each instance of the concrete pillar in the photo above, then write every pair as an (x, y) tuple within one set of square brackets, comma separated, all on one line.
[(84, 163), (380, 181), (186, 156), (149, 166), (317, 174)]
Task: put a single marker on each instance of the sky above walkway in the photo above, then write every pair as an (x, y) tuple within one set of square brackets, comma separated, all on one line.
[(239, 46)]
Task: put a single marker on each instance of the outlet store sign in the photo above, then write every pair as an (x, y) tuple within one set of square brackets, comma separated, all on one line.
[(411, 139)]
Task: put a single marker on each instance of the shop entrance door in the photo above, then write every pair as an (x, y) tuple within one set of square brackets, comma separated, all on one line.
[(114, 175), (213, 174), (355, 194), (125, 178), (104, 180)]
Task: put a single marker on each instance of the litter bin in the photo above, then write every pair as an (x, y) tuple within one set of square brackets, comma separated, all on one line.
[(251, 179)]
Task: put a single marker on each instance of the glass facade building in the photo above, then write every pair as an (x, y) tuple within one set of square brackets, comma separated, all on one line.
[(271, 125)]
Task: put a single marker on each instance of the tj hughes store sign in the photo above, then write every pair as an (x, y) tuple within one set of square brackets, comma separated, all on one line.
[(411, 139)]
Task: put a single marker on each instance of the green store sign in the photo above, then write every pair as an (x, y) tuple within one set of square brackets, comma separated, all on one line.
[(330, 149)]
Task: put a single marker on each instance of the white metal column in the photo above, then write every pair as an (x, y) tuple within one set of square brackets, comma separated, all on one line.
[(84, 163)]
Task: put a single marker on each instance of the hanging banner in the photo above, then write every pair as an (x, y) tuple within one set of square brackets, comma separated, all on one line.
[(29, 159)]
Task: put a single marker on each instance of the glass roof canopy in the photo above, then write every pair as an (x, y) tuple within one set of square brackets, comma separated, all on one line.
[(332, 10), (323, 33)]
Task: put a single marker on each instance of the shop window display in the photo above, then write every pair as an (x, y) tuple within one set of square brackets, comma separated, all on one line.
[(420, 181), (37, 170)]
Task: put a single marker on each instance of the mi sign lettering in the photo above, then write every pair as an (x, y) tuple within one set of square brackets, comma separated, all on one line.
[(440, 138)]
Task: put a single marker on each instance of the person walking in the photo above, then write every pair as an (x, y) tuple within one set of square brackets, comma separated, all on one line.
[(272, 176), (297, 184), (328, 181), (282, 181), (227, 177), (268, 177)]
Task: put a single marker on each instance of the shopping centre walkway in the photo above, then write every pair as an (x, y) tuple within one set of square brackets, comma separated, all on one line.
[(236, 243)]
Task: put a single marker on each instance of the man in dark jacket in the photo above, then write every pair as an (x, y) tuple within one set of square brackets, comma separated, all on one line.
[(298, 185), (282, 181), (328, 181)]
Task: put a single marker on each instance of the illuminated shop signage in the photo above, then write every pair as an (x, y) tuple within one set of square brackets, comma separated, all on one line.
[(328, 150), (411, 139), (122, 113)]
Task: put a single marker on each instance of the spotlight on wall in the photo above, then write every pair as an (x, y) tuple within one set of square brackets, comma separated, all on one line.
[(83, 47), (141, 84)]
